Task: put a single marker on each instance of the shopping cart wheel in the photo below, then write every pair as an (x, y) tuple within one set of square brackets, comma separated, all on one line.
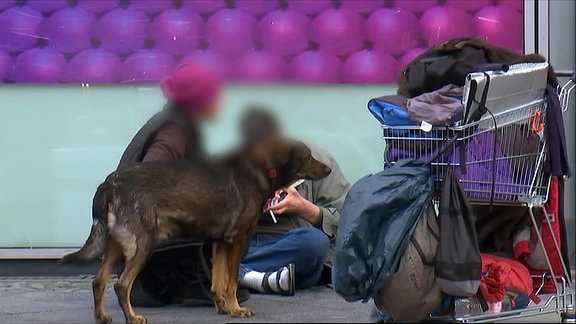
[(569, 316)]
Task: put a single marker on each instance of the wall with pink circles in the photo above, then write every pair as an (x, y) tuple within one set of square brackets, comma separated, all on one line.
[(261, 41)]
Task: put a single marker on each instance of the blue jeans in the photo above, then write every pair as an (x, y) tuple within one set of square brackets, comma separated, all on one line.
[(305, 247)]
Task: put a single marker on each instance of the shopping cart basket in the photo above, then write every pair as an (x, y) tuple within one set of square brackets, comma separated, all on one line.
[(499, 153)]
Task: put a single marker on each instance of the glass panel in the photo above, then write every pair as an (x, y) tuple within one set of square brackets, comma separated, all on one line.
[(58, 142)]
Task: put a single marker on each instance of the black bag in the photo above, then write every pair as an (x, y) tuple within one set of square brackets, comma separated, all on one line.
[(178, 271), (378, 219), (458, 266)]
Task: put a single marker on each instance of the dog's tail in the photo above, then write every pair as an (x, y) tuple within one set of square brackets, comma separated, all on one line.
[(92, 249)]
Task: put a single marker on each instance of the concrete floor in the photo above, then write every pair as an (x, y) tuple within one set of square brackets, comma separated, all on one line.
[(69, 300)]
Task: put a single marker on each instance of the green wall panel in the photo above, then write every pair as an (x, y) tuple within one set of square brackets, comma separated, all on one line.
[(58, 142)]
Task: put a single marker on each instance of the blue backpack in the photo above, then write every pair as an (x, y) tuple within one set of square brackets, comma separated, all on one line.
[(378, 219)]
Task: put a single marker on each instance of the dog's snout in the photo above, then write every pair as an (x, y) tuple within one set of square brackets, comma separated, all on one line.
[(327, 170)]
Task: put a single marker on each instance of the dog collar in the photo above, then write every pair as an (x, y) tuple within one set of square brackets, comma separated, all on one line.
[(272, 173)]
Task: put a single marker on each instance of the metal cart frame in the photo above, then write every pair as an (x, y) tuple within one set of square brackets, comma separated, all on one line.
[(529, 188)]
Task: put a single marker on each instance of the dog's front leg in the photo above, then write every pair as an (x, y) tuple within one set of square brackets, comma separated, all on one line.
[(219, 275), (235, 252)]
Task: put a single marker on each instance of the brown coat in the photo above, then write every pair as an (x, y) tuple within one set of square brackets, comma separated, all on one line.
[(169, 144)]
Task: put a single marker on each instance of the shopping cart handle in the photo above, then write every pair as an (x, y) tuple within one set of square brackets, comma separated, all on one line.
[(565, 91), (567, 74)]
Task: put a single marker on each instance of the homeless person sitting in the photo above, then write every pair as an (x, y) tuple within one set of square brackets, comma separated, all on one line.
[(293, 252), (178, 270)]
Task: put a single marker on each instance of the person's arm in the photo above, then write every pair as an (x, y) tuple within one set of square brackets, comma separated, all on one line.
[(168, 144), (328, 194), (321, 203)]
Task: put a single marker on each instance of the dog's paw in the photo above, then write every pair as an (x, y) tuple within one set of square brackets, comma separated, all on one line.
[(138, 319), (242, 312), (104, 319), (220, 304)]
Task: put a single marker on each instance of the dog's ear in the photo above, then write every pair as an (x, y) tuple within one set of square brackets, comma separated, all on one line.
[(262, 154), (272, 152), (285, 153)]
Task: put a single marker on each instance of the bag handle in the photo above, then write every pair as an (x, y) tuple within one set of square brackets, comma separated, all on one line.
[(482, 109), (442, 150), (475, 117)]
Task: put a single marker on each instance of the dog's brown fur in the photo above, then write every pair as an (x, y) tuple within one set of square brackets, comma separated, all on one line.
[(220, 200)]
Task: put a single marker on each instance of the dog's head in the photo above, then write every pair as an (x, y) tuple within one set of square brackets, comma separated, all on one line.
[(288, 160), (285, 160)]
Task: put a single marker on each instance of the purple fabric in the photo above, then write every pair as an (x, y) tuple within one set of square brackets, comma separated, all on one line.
[(477, 181), (438, 107)]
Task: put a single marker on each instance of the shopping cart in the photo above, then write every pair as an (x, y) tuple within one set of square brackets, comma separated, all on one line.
[(500, 157)]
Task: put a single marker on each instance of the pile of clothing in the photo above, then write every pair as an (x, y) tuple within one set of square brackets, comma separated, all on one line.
[(430, 94), (391, 246)]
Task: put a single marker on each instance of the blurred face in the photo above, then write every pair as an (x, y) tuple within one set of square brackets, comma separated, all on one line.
[(208, 113)]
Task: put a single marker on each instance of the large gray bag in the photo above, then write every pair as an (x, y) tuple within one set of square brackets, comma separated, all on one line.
[(412, 292)]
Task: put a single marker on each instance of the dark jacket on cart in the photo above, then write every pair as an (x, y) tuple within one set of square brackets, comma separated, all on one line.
[(556, 135), (451, 61)]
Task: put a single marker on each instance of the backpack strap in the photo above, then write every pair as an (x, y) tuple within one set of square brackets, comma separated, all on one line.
[(482, 109), (476, 115), (483, 303)]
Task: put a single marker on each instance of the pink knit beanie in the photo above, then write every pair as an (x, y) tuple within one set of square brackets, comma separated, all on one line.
[(192, 87)]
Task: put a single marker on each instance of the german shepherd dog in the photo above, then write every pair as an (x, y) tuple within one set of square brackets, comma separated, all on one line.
[(219, 199)]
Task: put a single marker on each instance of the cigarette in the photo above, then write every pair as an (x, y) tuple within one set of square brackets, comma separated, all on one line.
[(273, 217), (297, 183), (277, 194)]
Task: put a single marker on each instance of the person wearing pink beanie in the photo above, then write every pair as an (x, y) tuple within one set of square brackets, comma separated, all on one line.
[(176, 271), (193, 94), (194, 89)]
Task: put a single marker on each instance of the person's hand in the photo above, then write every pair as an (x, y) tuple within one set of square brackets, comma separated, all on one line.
[(293, 203)]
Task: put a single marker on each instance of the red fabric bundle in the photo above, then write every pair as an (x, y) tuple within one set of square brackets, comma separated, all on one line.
[(501, 273), (552, 208)]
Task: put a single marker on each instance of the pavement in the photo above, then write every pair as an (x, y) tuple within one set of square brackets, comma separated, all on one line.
[(69, 300)]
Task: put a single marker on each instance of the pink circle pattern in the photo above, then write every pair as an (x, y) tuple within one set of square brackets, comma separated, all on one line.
[(253, 41)]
